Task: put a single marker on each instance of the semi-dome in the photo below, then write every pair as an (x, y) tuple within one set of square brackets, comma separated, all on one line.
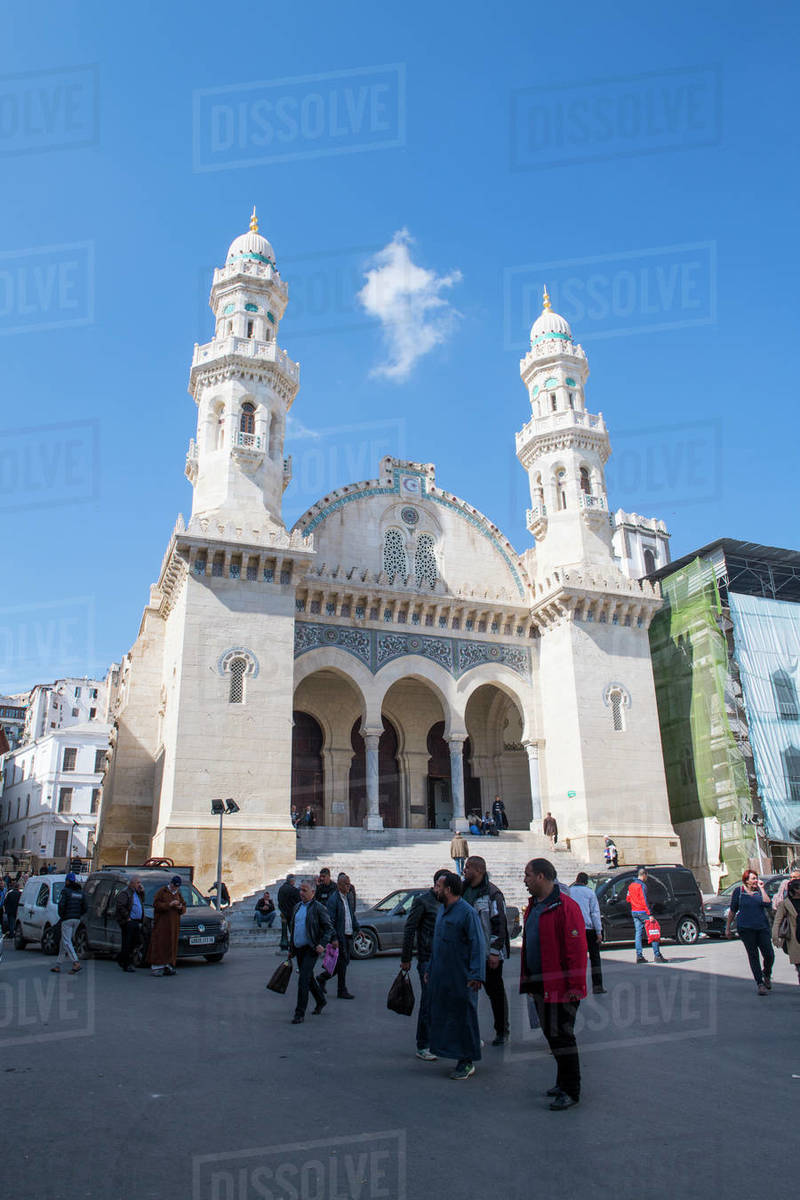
[(550, 324), (251, 245)]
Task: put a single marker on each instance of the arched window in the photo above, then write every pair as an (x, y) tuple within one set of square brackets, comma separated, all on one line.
[(553, 402), (586, 483), (250, 328), (237, 670), (395, 562), (561, 487), (247, 421), (219, 430), (425, 561), (649, 561), (785, 694), (540, 491), (572, 399), (617, 718)]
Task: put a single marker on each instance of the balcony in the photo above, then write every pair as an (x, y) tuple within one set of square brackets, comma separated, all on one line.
[(554, 421), (245, 348), (250, 441), (597, 502)]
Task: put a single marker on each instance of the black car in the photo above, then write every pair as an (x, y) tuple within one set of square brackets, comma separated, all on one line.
[(673, 896), (383, 924), (204, 932), (715, 908)]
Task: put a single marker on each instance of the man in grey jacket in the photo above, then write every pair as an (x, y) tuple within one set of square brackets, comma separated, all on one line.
[(585, 898), (490, 905)]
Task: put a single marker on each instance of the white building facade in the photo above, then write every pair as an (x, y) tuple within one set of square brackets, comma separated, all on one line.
[(52, 791), (391, 661)]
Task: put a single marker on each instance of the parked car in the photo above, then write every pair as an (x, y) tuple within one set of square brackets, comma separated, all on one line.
[(37, 914), (673, 895), (204, 933), (715, 908), (382, 924)]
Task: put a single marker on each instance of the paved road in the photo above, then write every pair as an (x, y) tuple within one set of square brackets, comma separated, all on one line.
[(111, 1085)]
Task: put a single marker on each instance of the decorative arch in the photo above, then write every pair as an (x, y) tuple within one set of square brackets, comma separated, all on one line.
[(506, 681), (618, 699), (413, 666), (331, 658), (228, 657)]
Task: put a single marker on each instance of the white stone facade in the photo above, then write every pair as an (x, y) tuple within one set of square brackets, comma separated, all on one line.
[(52, 792), (392, 660)]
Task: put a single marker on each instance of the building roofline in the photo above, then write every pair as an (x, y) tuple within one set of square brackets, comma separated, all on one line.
[(731, 546)]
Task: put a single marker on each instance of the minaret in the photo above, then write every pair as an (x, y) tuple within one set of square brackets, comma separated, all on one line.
[(564, 449), (243, 385)]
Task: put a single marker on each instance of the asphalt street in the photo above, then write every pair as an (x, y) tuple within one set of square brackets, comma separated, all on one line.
[(197, 1087)]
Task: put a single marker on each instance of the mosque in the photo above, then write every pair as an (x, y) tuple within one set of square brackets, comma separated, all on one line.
[(392, 661)]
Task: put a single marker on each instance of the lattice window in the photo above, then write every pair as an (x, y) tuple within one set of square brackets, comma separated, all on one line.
[(395, 562), (425, 561), (617, 720), (236, 689)]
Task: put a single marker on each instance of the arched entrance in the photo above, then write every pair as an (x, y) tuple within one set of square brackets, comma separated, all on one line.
[(388, 777), (498, 757), (307, 767), (440, 800)]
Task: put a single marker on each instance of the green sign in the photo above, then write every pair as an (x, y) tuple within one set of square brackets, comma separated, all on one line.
[(571, 795)]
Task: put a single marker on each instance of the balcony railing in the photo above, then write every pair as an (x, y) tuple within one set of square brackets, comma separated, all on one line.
[(560, 420), (592, 501), (247, 348), (249, 441)]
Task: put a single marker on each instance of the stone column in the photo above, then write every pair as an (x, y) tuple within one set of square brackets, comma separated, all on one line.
[(532, 750), (371, 742), (456, 745)]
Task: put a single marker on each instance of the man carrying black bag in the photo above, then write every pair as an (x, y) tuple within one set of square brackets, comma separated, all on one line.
[(310, 929)]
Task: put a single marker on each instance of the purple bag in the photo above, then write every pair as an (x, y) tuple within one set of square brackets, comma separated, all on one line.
[(330, 959)]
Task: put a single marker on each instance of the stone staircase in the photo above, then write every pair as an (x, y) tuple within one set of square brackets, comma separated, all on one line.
[(380, 862)]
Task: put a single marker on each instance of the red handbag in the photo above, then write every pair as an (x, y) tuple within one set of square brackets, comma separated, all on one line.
[(653, 930)]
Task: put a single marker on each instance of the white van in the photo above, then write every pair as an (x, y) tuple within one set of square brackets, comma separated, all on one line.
[(37, 914)]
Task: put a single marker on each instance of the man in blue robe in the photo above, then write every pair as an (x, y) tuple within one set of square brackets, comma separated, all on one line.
[(458, 968)]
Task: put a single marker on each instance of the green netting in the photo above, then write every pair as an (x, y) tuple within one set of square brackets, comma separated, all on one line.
[(706, 773)]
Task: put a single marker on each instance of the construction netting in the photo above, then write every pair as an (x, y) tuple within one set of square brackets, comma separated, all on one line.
[(706, 773), (767, 638)]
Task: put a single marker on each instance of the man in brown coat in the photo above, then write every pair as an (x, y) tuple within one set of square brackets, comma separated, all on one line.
[(550, 828), (168, 908)]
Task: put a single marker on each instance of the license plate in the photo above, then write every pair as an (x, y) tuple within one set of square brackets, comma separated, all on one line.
[(201, 941)]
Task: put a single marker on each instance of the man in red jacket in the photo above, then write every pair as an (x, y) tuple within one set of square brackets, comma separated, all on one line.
[(554, 957)]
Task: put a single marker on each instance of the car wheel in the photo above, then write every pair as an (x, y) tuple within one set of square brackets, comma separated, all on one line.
[(50, 939), (20, 942), (365, 944), (81, 944), (214, 958), (688, 931)]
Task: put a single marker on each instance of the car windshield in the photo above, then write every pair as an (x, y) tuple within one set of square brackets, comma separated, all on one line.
[(190, 894), (598, 882), (390, 903)]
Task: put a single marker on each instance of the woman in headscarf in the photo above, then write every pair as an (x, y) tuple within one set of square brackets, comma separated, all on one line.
[(786, 926)]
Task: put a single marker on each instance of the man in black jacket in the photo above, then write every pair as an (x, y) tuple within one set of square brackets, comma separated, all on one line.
[(10, 906), (419, 925), (342, 912), (288, 898), (71, 907), (129, 914), (325, 886), (309, 929)]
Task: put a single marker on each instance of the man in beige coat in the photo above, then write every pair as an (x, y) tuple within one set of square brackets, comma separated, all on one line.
[(459, 852)]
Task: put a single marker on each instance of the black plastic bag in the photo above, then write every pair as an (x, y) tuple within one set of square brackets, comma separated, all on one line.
[(401, 995), (280, 979)]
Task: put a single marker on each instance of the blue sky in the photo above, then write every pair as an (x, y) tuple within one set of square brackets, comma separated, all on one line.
[(639, 159)]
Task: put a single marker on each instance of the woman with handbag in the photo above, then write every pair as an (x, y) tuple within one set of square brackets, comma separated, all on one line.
[(751, 905), (786, 926)]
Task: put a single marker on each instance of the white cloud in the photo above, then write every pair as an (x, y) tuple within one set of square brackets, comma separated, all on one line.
[(407, 301), (296, 430)]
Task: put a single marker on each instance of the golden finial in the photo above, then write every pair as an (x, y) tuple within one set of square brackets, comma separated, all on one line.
[(254, 221), (545, 298)]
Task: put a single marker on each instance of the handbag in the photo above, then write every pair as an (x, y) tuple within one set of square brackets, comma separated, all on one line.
[(330, 959), (653, 930), (280, 978), (401, 995)]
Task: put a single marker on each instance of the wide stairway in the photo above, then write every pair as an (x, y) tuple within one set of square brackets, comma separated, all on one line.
[(379, 863)]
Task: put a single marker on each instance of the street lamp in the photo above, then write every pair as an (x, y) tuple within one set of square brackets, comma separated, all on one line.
[(218, 809)]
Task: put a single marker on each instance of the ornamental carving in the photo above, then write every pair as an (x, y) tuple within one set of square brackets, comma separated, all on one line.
[(376, 648)]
